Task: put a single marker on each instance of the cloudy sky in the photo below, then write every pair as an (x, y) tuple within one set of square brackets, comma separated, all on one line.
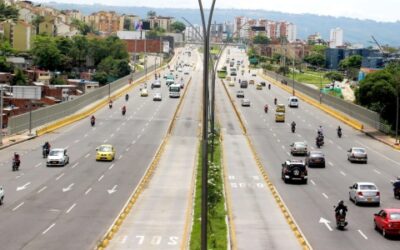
[(382, 10)]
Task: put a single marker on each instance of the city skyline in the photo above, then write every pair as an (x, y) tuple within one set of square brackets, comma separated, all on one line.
[(386, 11)]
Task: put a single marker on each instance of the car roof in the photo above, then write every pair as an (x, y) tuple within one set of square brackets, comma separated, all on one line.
[(57, 149), (316, 152), (358, 148), (365, 183), (392, 210), (300, 142), (105, 145)]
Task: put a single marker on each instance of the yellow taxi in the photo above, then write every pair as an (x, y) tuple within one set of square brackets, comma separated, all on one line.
[(279, 117), (280, 108), (258, 86), (144, 92), (105, 152)]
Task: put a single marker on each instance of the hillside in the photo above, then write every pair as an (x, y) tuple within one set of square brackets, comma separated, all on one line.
[(355, 30)]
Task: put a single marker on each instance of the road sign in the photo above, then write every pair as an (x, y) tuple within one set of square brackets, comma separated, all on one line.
[(27, 92)]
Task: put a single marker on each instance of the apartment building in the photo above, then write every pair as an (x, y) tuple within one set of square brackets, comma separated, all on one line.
[(161, 22), (336, 38), (20, 34), (105, 22)]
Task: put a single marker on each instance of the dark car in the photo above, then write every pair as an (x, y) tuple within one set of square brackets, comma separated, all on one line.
[(244, 84), (240, 94), (294, 170), (315, 159), (262, 84)]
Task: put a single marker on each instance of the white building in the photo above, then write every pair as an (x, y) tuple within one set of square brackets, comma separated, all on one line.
[(336, 38), (193, 33), (291, 32)]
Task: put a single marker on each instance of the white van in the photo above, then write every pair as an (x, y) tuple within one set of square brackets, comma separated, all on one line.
[(293, 102)]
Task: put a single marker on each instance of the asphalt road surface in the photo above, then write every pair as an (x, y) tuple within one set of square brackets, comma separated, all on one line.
[(312, 204)]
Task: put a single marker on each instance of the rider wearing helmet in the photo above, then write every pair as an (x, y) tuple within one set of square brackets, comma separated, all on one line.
[(340, 209)]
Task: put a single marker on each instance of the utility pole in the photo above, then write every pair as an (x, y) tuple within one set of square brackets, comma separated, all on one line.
[(1, 114)]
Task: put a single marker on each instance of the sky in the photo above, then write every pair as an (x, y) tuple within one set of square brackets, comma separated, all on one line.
[(382, 10)]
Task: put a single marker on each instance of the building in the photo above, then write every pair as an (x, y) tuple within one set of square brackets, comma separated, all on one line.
[(194, 33), (130, 21), (371, 58), (26, 14), (161, 22), (20, 34), (336, 38), (105, 22), (315, 39), (73, 15)]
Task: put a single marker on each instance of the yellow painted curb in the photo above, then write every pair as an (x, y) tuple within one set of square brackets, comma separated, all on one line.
[(113, 229), (278, 199), (336, 114)]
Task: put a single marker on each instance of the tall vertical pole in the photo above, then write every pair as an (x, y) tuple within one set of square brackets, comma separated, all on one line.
[(1, 115), (293, 92), (30, 117), (397, 115)]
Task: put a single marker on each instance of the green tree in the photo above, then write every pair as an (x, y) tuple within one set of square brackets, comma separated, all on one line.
[(19, 78), (100, 77), (5, 66), (334, 76), (353, 61), (315, 59), (261, 39), (151, 13), (45, 52), (8, 12), (57, 81), (178, 27), (83, 27), (80, 50)]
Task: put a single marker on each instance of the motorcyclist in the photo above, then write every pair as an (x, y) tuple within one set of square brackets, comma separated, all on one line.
[(319, 140), (110, 103), (126, 97), (340, 210), (123, 110), (293, 126), (92, 120), (269, 86), (16, 161), (275, 100), (320, 131), (396, 187), (339, 131), (266, 108), (46, 149)]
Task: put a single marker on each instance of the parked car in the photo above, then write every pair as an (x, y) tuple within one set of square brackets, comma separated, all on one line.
[(364, 192), (388, 221), (356, 154), (298, 148), (57, 157), (294, 170), (240, 94), (315, 159)]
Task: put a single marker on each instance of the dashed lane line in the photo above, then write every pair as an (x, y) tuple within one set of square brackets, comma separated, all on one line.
[(343, 173), (59, 177), (38, 165), (100, 178), (42, 189), (110, 167), (48, 229), (88, 191), (312, 182), (19, 205), (362, 234), (74, 166), (69, 209), (326, 196)]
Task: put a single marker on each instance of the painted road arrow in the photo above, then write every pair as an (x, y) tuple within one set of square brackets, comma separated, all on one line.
[(23, 187), (68, 188), (113, 190), (326, 222)]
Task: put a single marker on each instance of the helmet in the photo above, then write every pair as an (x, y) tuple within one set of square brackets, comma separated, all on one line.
[(341, 202)]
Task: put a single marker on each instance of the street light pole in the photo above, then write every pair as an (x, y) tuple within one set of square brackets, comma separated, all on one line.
[(397, 115), (293, 92), (1, 115)]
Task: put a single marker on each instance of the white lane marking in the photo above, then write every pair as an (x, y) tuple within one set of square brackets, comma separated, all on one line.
[(299, 135), (42, 189), (59, 177), (105, 140), (274, 135), (76, 164), (112, 135), (86, 135), (139, 135), (142, 129), (124, 239), (147, 124), (283, 147), (123, 124), (312, 148), (69, 209), (119, 158), (343, 173), (313, 182), (339, 147), (326, 196), (118, 129), (362, 234), (101, 177), (376, 171), (76, 141), (133, 142), (20, 204), (86, 156), (288, 153), (330, 163), (67, 147), (50, 227), (68, 188), (37, 165), (110, 167), (88, 191), (23, 187), (127, 149), (384, 156)]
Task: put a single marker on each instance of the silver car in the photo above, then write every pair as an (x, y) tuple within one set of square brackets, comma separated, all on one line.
[(57, 157), (364, 192), (356, 154), (299, 148), (157, 97), (245, 102)]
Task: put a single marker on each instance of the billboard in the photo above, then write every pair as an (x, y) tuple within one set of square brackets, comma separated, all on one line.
[(27, 92), (258, 28), (165, 46)]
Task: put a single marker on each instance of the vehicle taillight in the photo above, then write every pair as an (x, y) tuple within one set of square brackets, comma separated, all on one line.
[(378, 193), (360, 193), (390, 224)]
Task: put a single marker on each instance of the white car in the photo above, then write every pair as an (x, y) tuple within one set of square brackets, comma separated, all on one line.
[(157, 97), (245, 102), (364, 192), (1, 195), (144, 92), (57, 157), (293, 102), (231, 83)]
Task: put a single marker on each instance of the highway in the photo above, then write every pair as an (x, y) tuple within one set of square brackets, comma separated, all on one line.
[(313, 203), (71, 207)]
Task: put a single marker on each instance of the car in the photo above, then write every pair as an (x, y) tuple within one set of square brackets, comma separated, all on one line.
[(280, 108), (228, 78), (186, 72), (388, 221), (240, 94), (233, 73), (105, 152), (243, 84), (144, 92), (294, 170), (179, 69), (254, 74), (1, 195), (231, 83), (157, 97), (245, 103), (156, 84), (299, 148), (279, 117), (251, 82), (315, 159), (356, 154), (263, 84), (364, 192), (57, 157), (258, 86), (293, 102)]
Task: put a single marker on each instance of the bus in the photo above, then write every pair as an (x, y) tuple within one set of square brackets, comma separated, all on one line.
[(174, 90)]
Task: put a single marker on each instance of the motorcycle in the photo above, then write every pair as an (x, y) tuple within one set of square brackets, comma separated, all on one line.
[(269, 86), (266, 108), (341, 222), (293, 128), (396, 192), (275, 101), (126, 97), (110, 106), (45, 152), (15, 165), (339, 133), (123, 112), (319, 142), (92, 122)]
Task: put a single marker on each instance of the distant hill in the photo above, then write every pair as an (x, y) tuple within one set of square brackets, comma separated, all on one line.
[(355, 30)]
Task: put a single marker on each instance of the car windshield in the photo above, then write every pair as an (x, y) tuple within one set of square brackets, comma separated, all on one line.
[(316, 155), (358, 150), (299, 144), (56, 153), (105, 149), (394, 216), (367, 187)]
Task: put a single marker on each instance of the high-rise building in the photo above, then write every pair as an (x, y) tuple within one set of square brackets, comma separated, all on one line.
[(336, 38)]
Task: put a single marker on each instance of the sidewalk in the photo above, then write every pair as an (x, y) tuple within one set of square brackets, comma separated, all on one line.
[(11, 140)]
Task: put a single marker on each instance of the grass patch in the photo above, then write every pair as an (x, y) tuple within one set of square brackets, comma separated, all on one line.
[(310, 77), (217, 228)]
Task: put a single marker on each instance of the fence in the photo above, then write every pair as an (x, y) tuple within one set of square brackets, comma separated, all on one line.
[(52, 113), (362, 114)]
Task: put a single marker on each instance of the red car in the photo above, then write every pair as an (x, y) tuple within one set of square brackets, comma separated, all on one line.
[(388, 221)]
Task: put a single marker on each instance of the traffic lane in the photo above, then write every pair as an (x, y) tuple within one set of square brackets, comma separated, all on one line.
[(327, 177)]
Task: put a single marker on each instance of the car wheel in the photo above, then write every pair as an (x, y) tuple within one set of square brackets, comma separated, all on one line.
[(378, 204), (1, 200), (305, 181), (376, 226), (355, 201)]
